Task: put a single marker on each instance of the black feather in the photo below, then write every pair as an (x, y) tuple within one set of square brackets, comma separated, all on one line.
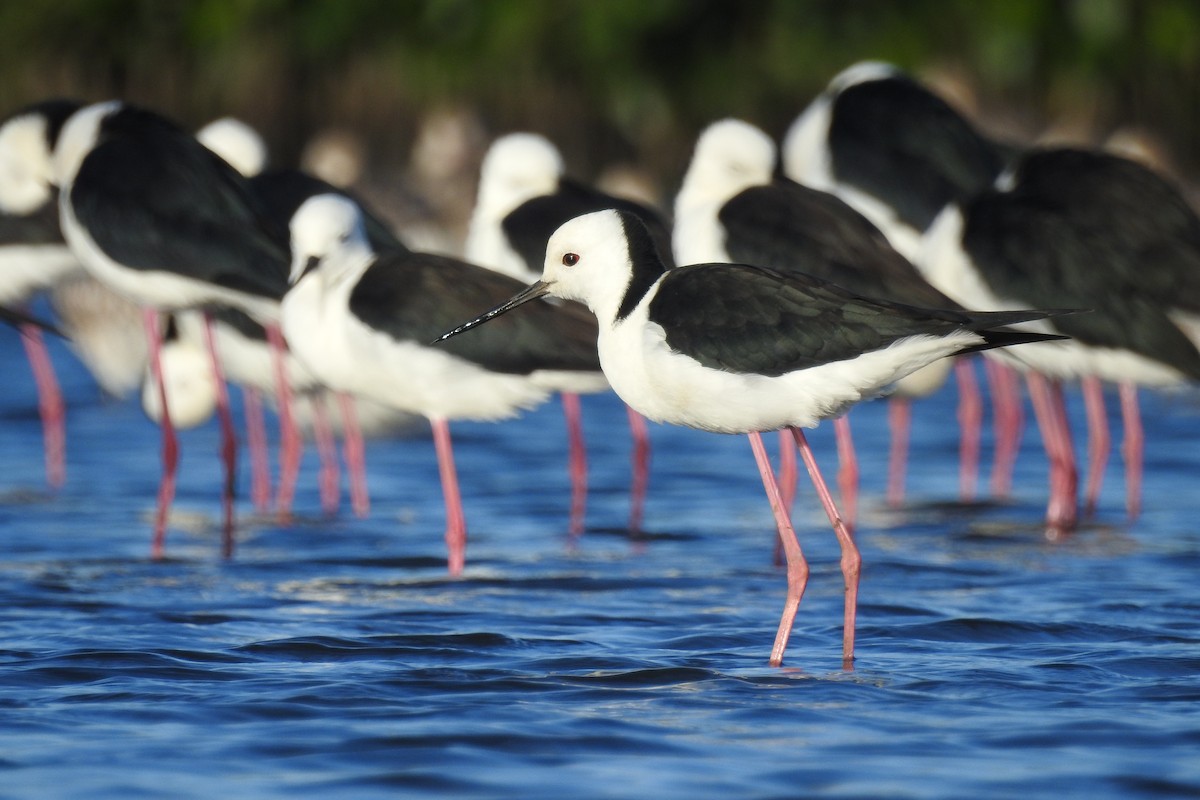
[(153, 198), (746, 319), (1094, 231), (897, 141), (529, 226), (418, 296)]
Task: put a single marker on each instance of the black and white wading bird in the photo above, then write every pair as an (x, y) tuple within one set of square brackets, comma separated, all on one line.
[(733, 207), (731, 348), (1096, 231), (158, 217), (898, 153), (524, 195), (362, 320), (33, 255)]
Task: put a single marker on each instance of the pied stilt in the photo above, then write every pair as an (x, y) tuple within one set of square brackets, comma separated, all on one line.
[(524, 195), (362, 321), (732, 348)]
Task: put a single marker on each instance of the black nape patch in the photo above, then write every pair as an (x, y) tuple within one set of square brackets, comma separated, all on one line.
[(645, 260)]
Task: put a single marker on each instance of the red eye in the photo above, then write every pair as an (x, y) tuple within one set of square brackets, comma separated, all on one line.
[(570, 260)]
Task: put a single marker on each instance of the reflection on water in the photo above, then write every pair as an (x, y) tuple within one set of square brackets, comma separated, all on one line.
[(333, 657)]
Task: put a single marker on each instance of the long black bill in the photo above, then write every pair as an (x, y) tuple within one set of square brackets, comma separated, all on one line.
[(532, 292)]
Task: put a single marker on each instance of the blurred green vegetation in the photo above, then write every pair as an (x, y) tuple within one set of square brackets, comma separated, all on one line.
[(604, 78)]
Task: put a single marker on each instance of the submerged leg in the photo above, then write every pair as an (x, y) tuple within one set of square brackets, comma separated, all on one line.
[(1133, 449), (797, 567), (329, 476), (851, 559), (356, 456), (970, 421), (1050, 409), (50, 404), (256, 443), (641, 469), (577, 461), (1099, 441), (289, 434), (170, 445), (900, 422), (456, 522), (1008, 421), (229, 443)]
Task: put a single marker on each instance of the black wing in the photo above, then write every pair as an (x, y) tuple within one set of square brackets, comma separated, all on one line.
[(791, 228), (745, 319), (898, 141), (418, 296), (1094, 233), (154, 198), (529, 226), (283, 191)]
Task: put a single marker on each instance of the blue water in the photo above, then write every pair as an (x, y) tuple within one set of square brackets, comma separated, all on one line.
[(333, 657)]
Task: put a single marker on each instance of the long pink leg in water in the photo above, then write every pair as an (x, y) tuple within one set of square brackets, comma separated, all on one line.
[(356, 456), (1008, 422), (1099, 441), (228, 439), (1050, 408), (900, 422), (50, 404), (641, 469), (1133, 449), (170, 445), (970, 421), (256, 443), (289, 434), (576, 460)]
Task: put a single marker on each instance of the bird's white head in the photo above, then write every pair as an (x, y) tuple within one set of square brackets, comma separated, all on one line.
[(237, 143), (730, 157), (190, 387), (598, 258), (606, 260), (327, 232), (25, 164), (517, 167), (77, 139)]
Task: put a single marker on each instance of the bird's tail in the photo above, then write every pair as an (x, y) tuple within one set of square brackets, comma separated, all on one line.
[(991, 325)]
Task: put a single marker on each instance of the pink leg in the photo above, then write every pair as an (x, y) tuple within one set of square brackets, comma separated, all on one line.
[(329, 477), (641, 469), (797, 567), (1099, 442), (1048, 405), (1009, 419), (1133, 449), (848, 471), (170, 445), (256, 441), (228, 440), (900, 421), (289, 434), (970, 421), (456, 521), (788, 477), (577, 461), (851, 559), (789, 473), (355, 453), (50, 404)]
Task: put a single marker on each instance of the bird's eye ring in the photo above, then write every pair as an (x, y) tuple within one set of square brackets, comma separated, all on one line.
[(570, 259)]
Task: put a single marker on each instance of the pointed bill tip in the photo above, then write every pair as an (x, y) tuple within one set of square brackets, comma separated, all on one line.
[(531, 292)]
